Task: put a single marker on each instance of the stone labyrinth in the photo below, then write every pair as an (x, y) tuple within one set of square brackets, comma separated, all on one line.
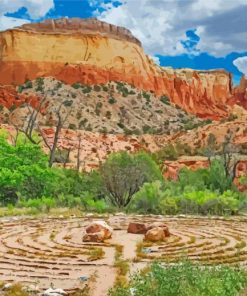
[(45, 251)]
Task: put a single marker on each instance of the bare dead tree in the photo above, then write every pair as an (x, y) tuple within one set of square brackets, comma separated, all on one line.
[(230, 155), (211, 148), (61, 120), (66, 160), (31, 122)]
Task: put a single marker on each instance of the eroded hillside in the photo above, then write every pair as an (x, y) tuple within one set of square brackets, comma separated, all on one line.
[(93, 52)]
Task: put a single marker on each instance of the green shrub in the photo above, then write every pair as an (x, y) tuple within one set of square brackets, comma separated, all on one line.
[(86, 89), (43, 204), (97, 88), (165, 100), (185, 279), (40, 84), (76, 85), (148, 199), (123, 174), (112, 101), (98, 108)]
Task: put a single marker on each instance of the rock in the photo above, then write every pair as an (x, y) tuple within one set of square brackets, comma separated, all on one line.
[(137, 228), (120, 214), (96, 237), (31, 288), (84, 278), (54, 292), (155, 234), (100, 227), (203, 93), (7, 286), (160, 225)]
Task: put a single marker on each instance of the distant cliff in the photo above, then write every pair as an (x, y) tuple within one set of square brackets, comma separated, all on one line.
[(92, 52)]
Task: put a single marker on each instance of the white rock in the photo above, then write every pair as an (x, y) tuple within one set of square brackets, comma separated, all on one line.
[(54, 292), (31, 288), (7, 286)]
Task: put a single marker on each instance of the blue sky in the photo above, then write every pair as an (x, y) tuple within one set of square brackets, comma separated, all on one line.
[(196, 34)]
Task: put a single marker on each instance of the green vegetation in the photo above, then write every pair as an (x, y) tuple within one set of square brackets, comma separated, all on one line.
[(123, 90), (185, 279), (204, 191), (27, 181), (84, 88), (190, 123), (27, 85), (112, 101), (124, 181), (124, 174), (165, 100), (172, 152)]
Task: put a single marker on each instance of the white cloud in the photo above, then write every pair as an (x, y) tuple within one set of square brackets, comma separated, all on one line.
[(161, 25), (241, 64), (155, 59), (36, 9), (11, 22)]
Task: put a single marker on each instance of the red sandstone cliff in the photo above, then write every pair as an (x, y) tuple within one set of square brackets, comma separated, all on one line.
[(93, 52)]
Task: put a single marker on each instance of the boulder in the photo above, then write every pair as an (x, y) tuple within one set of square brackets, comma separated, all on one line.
[(7, 286), (54, 292), (98, 231), (137, 228), (96, 237), (155, 234), (160, 225)]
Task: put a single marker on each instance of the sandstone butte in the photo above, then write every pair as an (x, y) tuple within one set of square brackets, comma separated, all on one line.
[(91, 52)]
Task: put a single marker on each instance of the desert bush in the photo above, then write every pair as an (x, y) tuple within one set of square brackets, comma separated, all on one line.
[(148, 199), (165, 100), (123, 174), (112, 101), (185, 279), (43, 204)]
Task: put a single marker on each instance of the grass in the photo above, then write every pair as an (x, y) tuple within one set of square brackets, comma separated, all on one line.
[(54, 212), (122, 267), (240, 245), (95, 254), (16, 290), (185, 279)]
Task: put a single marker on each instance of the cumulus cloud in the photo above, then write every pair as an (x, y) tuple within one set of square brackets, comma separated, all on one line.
[(35, 9), (241, 64), (155, 59), (11, 22), (162, 25)]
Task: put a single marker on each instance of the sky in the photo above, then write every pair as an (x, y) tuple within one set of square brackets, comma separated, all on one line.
[(198, 34)]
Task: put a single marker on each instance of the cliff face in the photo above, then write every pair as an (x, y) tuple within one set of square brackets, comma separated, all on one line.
[(93, 52), (240, 93)]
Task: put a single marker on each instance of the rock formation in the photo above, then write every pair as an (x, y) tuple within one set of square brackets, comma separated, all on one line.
[(97, 231), (92, 52)]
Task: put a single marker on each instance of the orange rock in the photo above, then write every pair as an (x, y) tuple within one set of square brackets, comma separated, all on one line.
[(160, 225), (137, 228), (96, 237), (93, 52), (9, 97), (155, 234), (99, 227)]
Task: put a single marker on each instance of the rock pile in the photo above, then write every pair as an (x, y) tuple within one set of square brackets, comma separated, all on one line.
[(156, 231)]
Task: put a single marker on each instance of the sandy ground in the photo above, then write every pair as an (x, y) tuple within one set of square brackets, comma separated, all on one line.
[(45, 251)]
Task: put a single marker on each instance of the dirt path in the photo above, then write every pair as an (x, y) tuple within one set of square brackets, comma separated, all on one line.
[(45, 251)]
